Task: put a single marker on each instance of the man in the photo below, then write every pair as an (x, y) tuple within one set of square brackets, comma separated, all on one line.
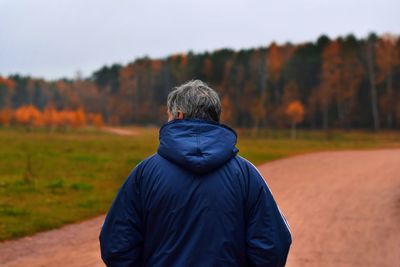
[(195, 202)]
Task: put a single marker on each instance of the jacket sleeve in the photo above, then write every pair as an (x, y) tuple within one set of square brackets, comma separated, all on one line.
[(268, 235), (121, 237)]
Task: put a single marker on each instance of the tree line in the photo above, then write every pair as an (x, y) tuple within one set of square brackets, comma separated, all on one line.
[(29, 116), (330, 83)]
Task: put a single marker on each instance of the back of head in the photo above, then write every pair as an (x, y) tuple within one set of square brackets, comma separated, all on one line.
[(196, 100)]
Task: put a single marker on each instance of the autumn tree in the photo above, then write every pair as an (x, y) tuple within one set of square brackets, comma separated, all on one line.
[(295, 112), (6, 116), (303, 68), (178, 66), (97, 121), (227, 111), (51, 117), (369, 64), (387, 57), (126, 104), (350, 77), (330, 79), (207, 69), (346, 82), (258, 111), (80, 118), (29, 116), (66, 119), (274, 68), (290, 93), (6, 88)]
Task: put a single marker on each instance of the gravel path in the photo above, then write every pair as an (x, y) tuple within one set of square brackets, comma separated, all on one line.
[(72, 245), (121, 131), (343, 208)]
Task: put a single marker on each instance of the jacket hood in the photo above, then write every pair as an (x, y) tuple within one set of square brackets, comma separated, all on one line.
[(197, 145)]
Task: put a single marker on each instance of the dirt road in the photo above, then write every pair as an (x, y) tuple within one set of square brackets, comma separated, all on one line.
[(121, 131), (73, 245), (343, 208)]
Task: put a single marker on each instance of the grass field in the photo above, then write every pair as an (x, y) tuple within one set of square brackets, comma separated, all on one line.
[(51, 179)]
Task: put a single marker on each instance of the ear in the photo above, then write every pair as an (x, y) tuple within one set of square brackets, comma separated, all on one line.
[(170, 117), (180, 115)]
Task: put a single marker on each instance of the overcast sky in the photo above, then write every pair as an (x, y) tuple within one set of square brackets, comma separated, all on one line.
[(56, 38)]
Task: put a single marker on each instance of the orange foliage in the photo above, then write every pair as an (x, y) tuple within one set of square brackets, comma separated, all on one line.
[(182, 58), (50, 117), (331, 64), (227, 110), (207, 69), (6, 116), (95, 119), (80, 118), (386, 56), (70, 118), (61, 85), (8, 83), (295, 111), (156, 65), (274, 62), (330, 75), (29, 116)]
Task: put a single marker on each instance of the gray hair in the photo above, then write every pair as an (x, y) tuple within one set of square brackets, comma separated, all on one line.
[(195, 100)]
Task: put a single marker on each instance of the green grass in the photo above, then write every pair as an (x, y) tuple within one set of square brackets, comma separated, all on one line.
[(51, 179)]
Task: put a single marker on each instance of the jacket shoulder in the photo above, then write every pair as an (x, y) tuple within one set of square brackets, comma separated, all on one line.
[(137, 171), (149, 160), (246, 166)]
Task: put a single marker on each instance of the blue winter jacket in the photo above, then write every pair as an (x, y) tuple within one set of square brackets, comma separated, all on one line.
[(195, 203)]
